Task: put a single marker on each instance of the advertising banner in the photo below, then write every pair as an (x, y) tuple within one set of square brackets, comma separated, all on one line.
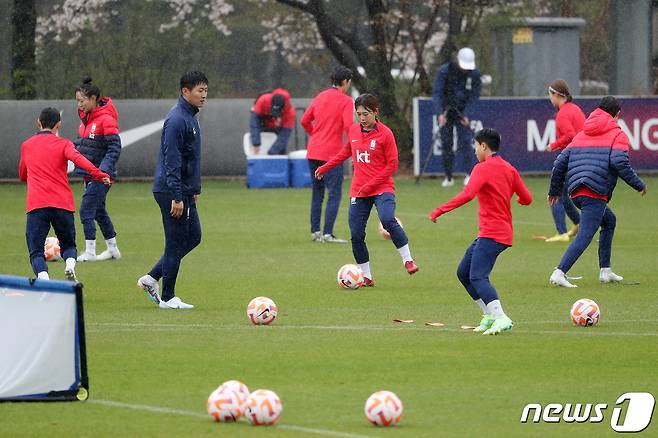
[(527, 127)]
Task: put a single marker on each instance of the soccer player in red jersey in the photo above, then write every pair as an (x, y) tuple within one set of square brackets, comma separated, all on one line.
[(327, 119), (493, 181), (569, 121), (43, 165), (371, 144)]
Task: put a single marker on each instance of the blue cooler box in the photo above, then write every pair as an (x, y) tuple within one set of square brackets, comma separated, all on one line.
[(300, 174), (267, 171)]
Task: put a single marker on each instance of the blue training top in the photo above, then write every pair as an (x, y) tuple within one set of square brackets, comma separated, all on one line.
[(178, 170)]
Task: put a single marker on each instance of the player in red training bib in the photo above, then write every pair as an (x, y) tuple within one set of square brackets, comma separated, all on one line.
[(372, 146), (493, 181)]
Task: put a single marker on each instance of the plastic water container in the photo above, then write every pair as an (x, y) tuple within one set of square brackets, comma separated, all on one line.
[(265, 171), (300, 174)]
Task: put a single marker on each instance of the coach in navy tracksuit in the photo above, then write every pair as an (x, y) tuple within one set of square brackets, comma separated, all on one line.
[(176, 185), (456, 89), (590, 166)]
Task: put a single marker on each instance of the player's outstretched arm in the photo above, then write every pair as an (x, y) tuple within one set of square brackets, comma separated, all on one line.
[(474, 185), (79, 160), (620, 161), (341, 156)]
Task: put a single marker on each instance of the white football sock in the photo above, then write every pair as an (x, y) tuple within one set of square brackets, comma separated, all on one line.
[(482, 306), (43, 275), (111, 243), (91, 246), (70, 263), (149, 279), (496, 309), (405, 253), (365, 267)]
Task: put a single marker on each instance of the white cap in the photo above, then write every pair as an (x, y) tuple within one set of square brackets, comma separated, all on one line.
[(466, 58)]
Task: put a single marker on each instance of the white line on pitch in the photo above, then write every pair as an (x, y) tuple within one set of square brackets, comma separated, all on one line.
[(163, 410), (587, 332)]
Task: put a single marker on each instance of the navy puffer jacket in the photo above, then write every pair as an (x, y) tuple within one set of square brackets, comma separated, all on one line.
[(595, 158)]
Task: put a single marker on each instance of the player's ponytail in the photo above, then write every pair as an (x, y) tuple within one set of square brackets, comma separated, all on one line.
[(88, 89)]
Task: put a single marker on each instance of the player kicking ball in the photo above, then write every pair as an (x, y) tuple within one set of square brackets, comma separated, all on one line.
[(493, 181), (372, 146), (589, 168), (43, 165)]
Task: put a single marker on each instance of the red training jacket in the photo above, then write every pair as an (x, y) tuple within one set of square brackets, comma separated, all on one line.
[(330, 114), (263, 107), (375, 157), (568, 122), (101, 121), (493, 181), (43, 166)]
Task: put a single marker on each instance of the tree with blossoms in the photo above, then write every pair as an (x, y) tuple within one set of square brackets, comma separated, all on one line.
[(383, 42), (390, 45)]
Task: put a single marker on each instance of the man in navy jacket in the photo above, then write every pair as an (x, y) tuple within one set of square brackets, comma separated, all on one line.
[(590, 166), (456, 89), (176, 186)]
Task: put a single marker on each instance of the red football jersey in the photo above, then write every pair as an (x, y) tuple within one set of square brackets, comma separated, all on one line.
[(43, 164), (375, 157)]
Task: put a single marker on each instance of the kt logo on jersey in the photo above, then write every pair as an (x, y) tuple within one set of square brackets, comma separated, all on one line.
[(362, 157)]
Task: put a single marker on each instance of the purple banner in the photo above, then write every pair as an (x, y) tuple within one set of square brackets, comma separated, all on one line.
[(527, 127)]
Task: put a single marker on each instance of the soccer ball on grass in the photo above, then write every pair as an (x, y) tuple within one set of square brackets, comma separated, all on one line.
[(262, 311), (585, 313), (383, 408)]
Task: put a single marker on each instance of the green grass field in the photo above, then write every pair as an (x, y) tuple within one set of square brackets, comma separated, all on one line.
[(151, 370)]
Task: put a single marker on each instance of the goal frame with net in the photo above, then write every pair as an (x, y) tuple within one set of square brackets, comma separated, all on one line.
[(43, 354)]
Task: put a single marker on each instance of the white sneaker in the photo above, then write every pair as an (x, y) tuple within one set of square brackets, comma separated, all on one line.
[(150, 287), (316, 236), (607, 276), (447, 182), (559, 278), (330, 238), (467, 178), (87, 257), (109, 254), (175, 303), (69, 273)]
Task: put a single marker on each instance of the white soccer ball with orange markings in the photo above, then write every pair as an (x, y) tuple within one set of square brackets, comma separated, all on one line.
[(585, 312), (51, 249), (262, 311), (383, 408), (264, 408), (385, 234), (350, 277), (225, 406), (237, 386)]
